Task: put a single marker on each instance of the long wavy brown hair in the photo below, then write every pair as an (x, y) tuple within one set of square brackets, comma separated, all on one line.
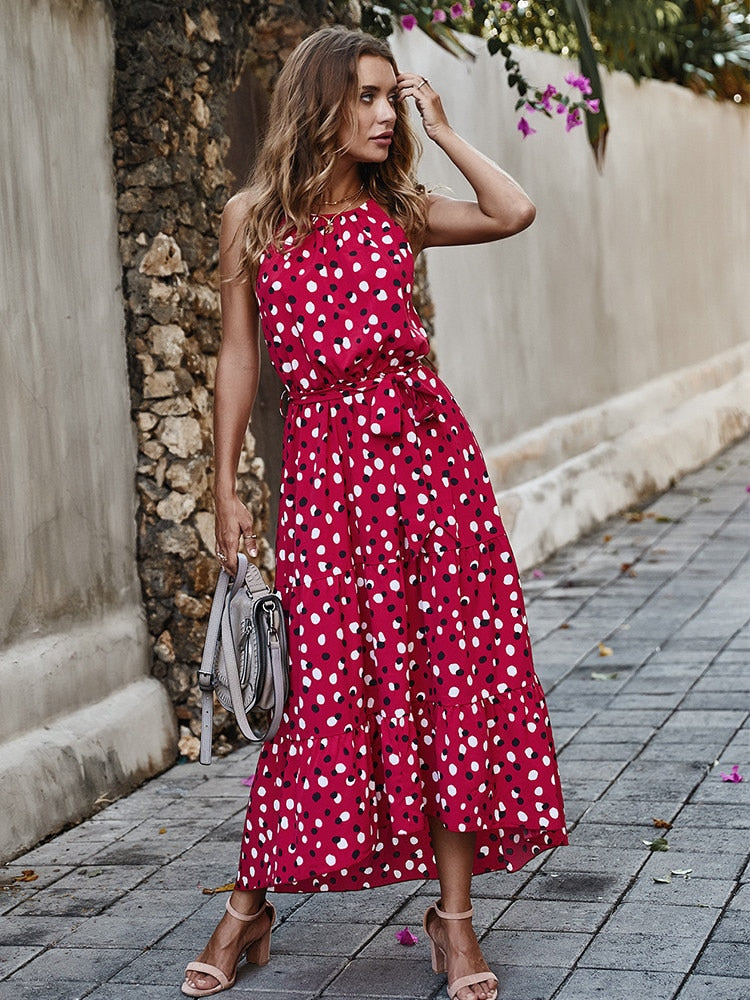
[(316, 93)]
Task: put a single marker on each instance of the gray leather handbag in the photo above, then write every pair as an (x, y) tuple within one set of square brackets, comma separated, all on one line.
[(245, 660)]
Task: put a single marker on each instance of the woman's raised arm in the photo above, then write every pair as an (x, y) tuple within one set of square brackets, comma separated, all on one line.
[(502, 208)]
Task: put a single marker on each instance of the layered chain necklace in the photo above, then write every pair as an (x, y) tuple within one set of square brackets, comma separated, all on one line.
[(328, 227)]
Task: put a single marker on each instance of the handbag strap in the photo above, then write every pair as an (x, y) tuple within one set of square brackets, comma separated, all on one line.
[(206, 672)]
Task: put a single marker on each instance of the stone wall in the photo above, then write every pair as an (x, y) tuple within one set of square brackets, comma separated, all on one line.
[(176, 68)]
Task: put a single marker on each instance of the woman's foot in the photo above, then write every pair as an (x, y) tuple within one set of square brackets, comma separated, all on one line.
[(457, 950), (234, 936)]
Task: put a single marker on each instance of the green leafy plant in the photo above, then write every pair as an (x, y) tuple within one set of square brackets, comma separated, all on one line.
[(702, 44)]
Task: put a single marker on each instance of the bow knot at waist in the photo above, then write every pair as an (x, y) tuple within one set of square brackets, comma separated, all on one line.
[(390, 393)]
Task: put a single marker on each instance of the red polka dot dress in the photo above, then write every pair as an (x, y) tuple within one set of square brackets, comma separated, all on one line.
[(413, 692)]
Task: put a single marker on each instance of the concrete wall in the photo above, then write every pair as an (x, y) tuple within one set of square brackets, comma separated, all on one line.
[(79, 715), (606, 350)]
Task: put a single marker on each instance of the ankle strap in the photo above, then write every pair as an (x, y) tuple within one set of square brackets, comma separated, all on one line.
[(244, 917), (453, 916)]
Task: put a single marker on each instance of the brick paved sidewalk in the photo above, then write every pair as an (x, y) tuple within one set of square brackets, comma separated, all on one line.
[(117, 909)]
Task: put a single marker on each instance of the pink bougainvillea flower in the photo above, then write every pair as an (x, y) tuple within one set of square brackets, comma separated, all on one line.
[(734, 775), (546, 98), (524, 128), (573, 119), (249, 781), (593, 105), (406, 937), (408, 21), (439, 15), (581, 83), (561, 109), (505, 6), (457, 10)]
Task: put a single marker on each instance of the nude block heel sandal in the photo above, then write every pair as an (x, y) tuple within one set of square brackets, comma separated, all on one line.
[(439, 958), (256, 953)]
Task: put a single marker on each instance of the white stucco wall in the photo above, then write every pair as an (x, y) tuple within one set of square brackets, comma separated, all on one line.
[(622, 309), (76, 700)]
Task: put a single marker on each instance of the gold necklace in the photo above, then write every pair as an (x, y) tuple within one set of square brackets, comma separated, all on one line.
[(342, 201), (327, 229)]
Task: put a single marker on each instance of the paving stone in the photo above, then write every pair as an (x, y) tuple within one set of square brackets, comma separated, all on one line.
[(67, 902), (619, 984), (36, 931), (660, 953), (538, 949), (387, 978), (328, 938), (734, 926), (595, 859), (723, 958), (13, 957), (711, 892), (127, 991), (705, 864), (526, 983), (75, 964), (552, 915), (702, 987), (694, 922), (721, 840), (741, 901), (11, 989), (593, 887), (106, 931)]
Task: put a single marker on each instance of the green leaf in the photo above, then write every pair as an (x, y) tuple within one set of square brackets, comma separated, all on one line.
[(597, 125), (659, 844), (596, 675)]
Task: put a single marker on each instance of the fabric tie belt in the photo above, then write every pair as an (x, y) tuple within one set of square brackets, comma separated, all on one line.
[(409, 390)]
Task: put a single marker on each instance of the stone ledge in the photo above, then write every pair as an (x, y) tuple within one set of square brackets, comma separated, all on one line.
[(51, 675), (53, 776), (656, 449)]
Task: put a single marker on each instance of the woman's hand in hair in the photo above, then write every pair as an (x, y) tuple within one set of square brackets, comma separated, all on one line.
[(427, 101)]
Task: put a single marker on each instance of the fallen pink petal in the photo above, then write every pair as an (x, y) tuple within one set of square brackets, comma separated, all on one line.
[(538, 574), (406, 937), (734, 775), (249, 781)]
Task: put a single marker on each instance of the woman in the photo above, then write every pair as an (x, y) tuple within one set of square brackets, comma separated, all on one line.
[(415, 742)]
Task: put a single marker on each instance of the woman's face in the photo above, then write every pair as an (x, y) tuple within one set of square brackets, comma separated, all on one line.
[(375, 112)]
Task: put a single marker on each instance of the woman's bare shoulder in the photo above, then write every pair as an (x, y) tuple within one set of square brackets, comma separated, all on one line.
[(236, 209)]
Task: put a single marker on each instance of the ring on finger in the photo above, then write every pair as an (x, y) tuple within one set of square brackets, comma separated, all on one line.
[(424, 81)]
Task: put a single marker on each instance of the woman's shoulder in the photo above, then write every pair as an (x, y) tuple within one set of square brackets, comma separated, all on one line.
[(236, 209)]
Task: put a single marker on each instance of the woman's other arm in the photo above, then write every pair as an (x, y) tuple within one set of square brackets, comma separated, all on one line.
[(236, 385)]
